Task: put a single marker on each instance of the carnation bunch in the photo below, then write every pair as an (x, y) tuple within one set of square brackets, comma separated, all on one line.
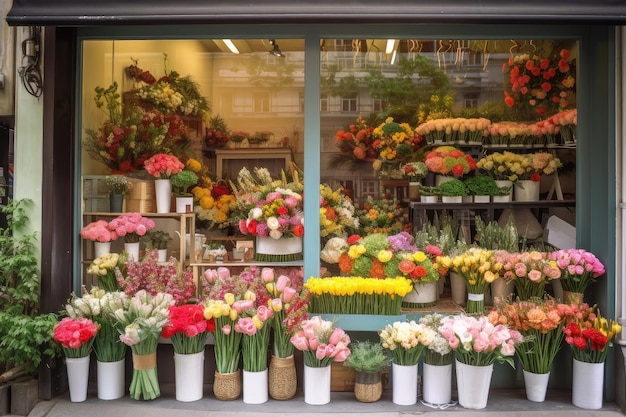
[(476, 341), (131, 226), (579, 268), (450, 161), (163, 166), (98, 231), (76, 336), (321, 342), (405, 340)]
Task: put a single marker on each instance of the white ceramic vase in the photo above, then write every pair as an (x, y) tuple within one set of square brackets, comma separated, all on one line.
[(111, 379), (132, 249), (527, 190), (189, 374), (78, 377), (422, 295), (587, 384), (316, 385), (507, 198), (163, 193), (255, 387), (101, 248), (184, 204), (437, 384), (429, 199), (536, 386), (473, 383), (404, 384), (162, 255)]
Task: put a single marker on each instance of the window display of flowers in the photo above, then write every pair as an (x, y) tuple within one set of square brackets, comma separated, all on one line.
[(270, 208), (143, 319), (76, 336), (415, 171), (163, 166), (535, 165), (539, 85), (123, 143), (98, 231), (405, 340), (216, 134), (132, 226), (530, 271), (337, 213), (187, 328), (380, 215), (454, 130), (518, 134), (321, 342), (357, 295), (540, 322), (155, 277), (104, 268), (118, 184), (479, 268), (565, 122), (99, 305), (449, 161), (590, 337), (476, 341), (579, 268)]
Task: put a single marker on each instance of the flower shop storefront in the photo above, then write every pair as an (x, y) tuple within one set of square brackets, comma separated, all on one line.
[(354, 104)]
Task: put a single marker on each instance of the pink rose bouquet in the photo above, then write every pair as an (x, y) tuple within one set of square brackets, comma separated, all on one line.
[(579, 268), (321, 343), (530, 271), (187, 328), (132, 226), (98, 231), (76, 336), (162, 165), (476, 341)]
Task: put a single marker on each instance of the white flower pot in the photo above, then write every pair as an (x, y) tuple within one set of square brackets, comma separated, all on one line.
[(473, 383), (111, 379), (536, 386), (255, 387), (101, 248), (482, 199), (133, 250), (184, 204), (404, 384), (189, 374), (316, 385), (422, 295), (451, 199), (587, 384), (163, 193), (429, 199), (526, 190), (78, 378), (437, 384), (162, 255)]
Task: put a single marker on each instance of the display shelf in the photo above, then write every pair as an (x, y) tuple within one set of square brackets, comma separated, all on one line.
[(187, 224)]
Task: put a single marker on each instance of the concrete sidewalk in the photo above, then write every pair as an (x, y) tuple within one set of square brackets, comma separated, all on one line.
[(505, 403)]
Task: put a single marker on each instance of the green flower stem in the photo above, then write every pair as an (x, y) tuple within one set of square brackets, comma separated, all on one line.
[(145, 382), (227, 347), (475, 303), (537, 355), (407, 357), (107, 344), (283, 348), (254, 349), (184, 345)]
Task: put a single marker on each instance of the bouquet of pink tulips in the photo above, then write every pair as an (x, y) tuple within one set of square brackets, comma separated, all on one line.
[(321, 342)]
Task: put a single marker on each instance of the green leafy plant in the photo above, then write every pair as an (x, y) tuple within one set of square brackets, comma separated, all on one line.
[(25, 335), (182, 181), (482, 185), (367, 356), (494, 237), (454, 187), (156, 239)]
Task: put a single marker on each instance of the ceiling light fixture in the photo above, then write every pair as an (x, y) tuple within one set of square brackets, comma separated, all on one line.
[(231, 46), (394, 55), (276, 50), (391, 43)]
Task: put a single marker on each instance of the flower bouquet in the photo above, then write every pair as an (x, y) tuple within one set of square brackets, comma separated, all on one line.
[(437, 368), (163, 166), (104, 268), (534, 165), (358, 141), (477, 344), (156, 239), (321, 342), (478, 268), (213, 201), (143, 319), (396, 143), (216, 133), (380, 215), (579, 268), (181, 182), (131, 226), (415, 171), (500, 166), (76, 337), (565, 123), (454, 130), (118, 184), (530, 271), (124, 142), (337, 213), (449, 161), (187, 328), (98, 231)]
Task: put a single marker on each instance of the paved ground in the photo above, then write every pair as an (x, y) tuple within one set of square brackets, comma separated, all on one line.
[(505, 403)]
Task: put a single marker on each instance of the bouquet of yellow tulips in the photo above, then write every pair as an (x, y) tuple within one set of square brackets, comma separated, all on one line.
[(357, 295), (479, 268)]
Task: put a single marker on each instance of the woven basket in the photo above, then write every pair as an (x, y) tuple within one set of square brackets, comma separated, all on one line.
[(227, 387), (282, 378), (368, 387)]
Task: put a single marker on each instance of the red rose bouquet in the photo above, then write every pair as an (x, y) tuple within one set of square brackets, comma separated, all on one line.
[(187, 328), (76, 336), (589, 338)]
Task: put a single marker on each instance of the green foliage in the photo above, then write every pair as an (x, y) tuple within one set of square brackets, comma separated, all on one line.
[(183, 180), (482, 185), (493, 237), (156, 239), (454, 187), (366, 356), (24, 339)]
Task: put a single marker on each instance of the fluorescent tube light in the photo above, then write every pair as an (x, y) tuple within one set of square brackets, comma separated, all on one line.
[(390, 45), (231, 46)]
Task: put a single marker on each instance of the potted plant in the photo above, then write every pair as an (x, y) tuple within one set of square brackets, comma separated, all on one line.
[(118, 186), (428, 194), (180, 183), (482, 187), (453, 191), (368, 360), (157, 239)]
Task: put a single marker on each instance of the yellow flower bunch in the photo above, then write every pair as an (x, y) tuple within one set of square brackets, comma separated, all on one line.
[(213, 202), (357, 295), (337, 213), (477, 266), (104, 268), (501, 166)]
